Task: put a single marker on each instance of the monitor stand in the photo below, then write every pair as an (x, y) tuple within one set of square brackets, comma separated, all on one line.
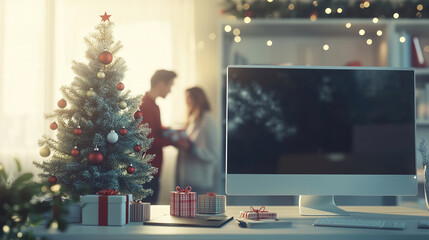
[(310, 205)]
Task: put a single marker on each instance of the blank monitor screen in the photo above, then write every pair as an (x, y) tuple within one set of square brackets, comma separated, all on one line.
[(286, 120)]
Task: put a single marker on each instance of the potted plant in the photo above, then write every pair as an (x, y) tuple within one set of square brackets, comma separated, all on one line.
[(22, 206)]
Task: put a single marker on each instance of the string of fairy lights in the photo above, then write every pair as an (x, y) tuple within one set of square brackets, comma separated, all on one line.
[(249, 13)]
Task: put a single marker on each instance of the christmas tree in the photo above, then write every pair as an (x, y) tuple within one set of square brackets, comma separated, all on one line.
[(88, 154)]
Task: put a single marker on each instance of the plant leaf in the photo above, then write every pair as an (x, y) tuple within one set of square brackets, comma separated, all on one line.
[(22, 179), (3, 175), (18, 164)]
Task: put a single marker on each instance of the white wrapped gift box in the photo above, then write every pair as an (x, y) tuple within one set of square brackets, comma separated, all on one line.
[(74, 213), (73, 209), (106, 210)]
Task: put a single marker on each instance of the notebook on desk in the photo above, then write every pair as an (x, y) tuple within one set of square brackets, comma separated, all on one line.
[(199, 221)]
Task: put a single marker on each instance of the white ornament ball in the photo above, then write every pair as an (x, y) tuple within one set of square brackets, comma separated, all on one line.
[(122, 105), (90, 93), (112, 137), (101, 75), (45, 151)]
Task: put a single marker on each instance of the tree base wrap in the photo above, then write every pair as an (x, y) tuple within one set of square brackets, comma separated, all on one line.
[(258, 214), (211, 204), (140, 211), (73, 209), (183, 204), (106, 210)]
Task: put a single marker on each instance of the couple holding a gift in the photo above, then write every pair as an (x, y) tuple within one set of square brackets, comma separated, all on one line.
[(199, 157)]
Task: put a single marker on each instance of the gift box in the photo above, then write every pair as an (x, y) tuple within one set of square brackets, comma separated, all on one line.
[(139, 211), (106, 209), (73, 209), (174, 134), (257, 214), (74, 212), (183, 202), (211, 203)]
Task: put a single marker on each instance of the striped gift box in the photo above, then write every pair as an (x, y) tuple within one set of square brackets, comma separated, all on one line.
[(211, 203), (183, 202), (257, 214), (140, 211)]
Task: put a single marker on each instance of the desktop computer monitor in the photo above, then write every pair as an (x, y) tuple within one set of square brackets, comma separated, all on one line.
[(320, 131)]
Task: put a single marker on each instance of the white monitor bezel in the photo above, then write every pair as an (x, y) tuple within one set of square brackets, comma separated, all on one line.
[(317, 184)]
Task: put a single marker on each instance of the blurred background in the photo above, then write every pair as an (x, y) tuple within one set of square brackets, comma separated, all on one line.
[(198, 40)]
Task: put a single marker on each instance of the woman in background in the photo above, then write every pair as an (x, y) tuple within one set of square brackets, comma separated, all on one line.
[(199, 165)]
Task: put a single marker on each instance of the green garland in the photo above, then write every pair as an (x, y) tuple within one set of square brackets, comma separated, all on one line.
[(299, 9)]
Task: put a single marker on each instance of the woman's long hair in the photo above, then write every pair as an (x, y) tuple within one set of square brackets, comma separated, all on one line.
[(201, 104)]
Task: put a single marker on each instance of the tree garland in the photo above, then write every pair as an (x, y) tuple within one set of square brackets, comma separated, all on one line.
[(337, 9)]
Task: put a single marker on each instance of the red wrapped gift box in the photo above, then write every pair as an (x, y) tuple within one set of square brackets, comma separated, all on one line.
[(183, 202), (257, 214)]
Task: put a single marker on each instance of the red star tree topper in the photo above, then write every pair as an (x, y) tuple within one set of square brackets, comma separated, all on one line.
[(105, 17)]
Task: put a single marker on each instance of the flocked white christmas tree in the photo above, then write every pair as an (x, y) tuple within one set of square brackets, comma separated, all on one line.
[(99, 142)]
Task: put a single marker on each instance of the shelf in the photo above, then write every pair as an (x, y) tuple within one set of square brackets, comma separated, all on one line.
[(413, 27), (422, 71), (422, 123), (301, 42)]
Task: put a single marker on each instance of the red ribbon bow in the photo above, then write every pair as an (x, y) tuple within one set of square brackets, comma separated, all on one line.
[(186, 190), (213, 194), (257, 211), (103, 206), (108, 192)]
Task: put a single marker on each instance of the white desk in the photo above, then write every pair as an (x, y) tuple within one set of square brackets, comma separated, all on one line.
[(301, 228)]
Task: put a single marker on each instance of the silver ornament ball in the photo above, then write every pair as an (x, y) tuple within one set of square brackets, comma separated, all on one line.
[(112, 137)]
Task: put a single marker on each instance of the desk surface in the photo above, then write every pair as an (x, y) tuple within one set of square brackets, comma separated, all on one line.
[(301, 228)]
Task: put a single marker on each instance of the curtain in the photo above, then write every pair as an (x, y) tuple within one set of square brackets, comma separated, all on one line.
[(22, 80)]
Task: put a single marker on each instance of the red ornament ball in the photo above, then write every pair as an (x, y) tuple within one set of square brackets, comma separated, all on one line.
[(95, 158), (138, 114), (62, 103), (120, 86), (130, 169), (105, 57), (53, 126), (75, 152), (78, 131), (137, 148), (52, 180), (123, 131)]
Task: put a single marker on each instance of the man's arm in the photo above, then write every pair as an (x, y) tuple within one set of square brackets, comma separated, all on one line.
[(152, 117)]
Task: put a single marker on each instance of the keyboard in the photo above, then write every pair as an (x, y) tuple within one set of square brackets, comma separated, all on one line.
[(360, 223)]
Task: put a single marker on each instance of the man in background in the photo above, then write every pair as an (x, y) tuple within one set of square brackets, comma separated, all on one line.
[(161, 83)]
